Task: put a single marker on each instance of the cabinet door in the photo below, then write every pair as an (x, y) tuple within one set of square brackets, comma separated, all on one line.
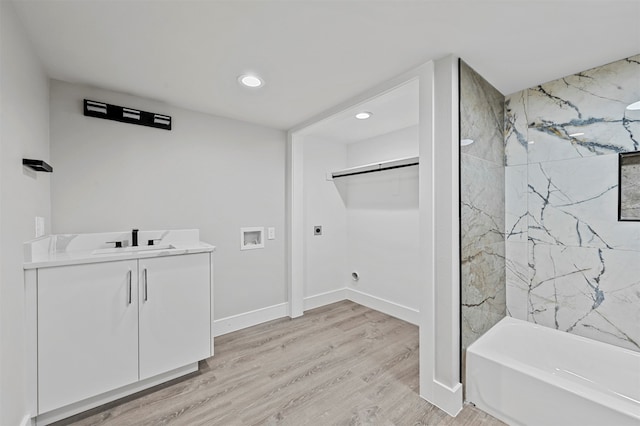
[(87, 331), (175, 312)]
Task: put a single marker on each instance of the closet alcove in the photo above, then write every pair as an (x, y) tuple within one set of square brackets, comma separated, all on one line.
[(379, 245), (360, 183)]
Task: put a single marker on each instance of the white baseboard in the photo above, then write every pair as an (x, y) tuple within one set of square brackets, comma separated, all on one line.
[(447, 399), (323, 299), (393, 309), (249, 319), (259, 316), (26, 421)]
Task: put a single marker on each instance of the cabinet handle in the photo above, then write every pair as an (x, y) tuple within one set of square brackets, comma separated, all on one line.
[(129, 285), (144, 272)]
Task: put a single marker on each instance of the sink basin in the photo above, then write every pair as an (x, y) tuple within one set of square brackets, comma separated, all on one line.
[(138, 249)]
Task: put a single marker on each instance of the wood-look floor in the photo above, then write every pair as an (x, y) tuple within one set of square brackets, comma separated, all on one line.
[(341, 364)]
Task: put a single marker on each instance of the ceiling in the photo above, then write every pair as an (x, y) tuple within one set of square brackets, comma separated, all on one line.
[(314, 55), (391, 111)]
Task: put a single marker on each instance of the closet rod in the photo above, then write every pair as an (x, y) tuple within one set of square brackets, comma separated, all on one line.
[(377, 167)]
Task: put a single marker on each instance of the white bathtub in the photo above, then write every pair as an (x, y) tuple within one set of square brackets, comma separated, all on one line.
[(526, 374)]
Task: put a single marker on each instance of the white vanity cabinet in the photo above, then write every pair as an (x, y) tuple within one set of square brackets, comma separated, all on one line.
[(174, 295), (87, 331), (100, 330)]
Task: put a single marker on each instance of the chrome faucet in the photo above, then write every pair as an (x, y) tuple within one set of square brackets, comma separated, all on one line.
[(134, 238)]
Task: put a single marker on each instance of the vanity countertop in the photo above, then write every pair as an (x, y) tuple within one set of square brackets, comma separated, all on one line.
[(75, 249)]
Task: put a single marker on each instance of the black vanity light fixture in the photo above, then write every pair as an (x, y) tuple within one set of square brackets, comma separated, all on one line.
[(126, 115), (37, 165)]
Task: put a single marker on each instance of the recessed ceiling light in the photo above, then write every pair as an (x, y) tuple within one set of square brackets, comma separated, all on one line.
[(363, 115), (634, 106), (250, 80), (573, 135)]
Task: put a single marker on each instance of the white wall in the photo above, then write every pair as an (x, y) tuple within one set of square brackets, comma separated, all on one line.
[(326, 267), (370, 224), (24, 194), (440, 242), (382, 220), (391, 146), (210, 173)]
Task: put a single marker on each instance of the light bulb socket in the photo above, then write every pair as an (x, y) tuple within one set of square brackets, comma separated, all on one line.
[(250, 80), (364, 115)]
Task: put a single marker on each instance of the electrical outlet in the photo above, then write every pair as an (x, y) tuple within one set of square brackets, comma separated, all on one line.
[(271, 233), (39, 226)]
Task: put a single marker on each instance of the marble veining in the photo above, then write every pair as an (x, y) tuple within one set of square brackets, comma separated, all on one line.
[(482, 205), (516, 131), (482, 112), (482, 198), (517, 277), (588, 291), (483, 284), (516, 213), (570, 204), (482, 271), (585, 114), (570, 264)]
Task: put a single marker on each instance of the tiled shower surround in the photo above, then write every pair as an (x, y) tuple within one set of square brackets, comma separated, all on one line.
[(482, 194), (570, 264)]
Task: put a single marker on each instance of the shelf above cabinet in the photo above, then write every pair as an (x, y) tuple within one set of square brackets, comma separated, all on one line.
[(377, 167)]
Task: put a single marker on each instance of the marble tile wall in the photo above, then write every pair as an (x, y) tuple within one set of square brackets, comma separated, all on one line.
[(482, 193), (570, 264)]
